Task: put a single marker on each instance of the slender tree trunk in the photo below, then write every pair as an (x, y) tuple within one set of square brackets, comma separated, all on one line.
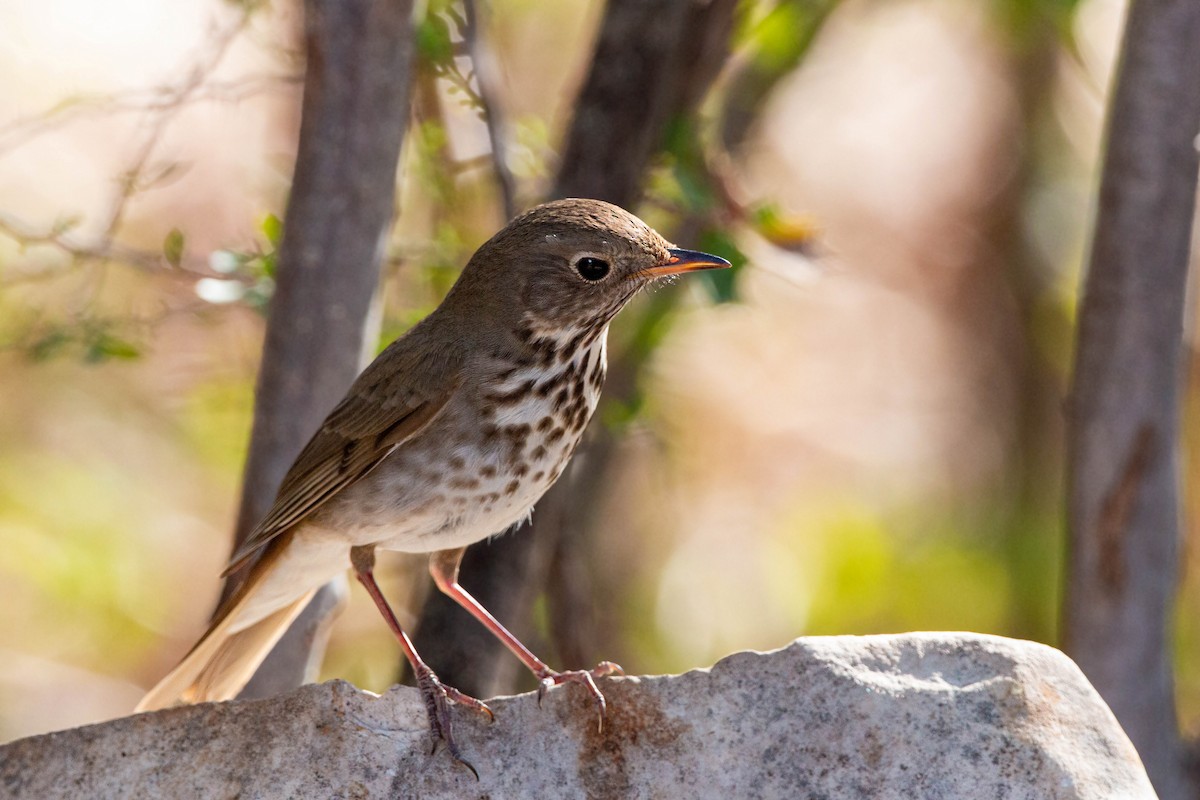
[(653, 63), (354, 113), (1123, 496)]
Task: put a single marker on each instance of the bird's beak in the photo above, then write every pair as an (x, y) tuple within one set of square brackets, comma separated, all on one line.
[(686, 261)]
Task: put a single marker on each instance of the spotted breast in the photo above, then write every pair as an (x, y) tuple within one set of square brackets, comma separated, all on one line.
[(482, 465)]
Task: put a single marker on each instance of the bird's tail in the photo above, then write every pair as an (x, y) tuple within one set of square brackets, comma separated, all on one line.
[(249, 624)]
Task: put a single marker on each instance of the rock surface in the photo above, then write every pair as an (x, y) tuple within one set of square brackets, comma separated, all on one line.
[(912, 716)]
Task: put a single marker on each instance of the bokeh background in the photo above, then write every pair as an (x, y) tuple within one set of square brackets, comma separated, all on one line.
[(861, 433)]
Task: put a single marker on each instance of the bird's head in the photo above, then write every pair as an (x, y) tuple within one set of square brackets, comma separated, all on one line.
[(573, 264)]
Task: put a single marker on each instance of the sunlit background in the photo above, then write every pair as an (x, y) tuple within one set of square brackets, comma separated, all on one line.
[(865, 439)]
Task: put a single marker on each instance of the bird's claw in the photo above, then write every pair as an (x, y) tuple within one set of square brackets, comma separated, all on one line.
[(438, 697), (587, 678)]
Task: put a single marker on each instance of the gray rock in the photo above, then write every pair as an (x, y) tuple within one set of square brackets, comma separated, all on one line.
[(913, 716)]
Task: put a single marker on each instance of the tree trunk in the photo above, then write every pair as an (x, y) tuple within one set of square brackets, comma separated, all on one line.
[(653, 63), (1123, 470), (354, 113)]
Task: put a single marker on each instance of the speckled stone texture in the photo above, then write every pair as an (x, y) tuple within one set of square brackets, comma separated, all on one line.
[(904, 717)]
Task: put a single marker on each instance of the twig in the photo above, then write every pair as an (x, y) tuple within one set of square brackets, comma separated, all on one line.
[(174, 102), (167, 102), (157, 98), (103, 250), (492, 116)]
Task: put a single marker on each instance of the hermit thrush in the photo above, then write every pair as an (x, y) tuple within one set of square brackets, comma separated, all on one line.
[(450, 436)]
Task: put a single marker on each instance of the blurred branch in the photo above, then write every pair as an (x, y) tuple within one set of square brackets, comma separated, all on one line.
[(161, 106), (1126, 389), (154, 99), (173, 101), (105, 249), (492, 115), (354, 114)]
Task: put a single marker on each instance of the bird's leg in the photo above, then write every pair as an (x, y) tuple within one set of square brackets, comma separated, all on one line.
[(437, 695), (443, 565)]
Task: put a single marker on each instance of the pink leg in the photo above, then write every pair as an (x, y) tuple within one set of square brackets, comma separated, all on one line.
[(437, 695), (444, 564)]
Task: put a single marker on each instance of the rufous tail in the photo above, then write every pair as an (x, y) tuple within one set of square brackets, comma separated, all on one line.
[(246, 628)]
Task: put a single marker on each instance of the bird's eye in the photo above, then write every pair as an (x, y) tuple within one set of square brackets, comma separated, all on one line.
[(591, 268)]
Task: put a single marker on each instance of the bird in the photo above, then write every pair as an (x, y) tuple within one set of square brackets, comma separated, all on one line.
[(448, 437)]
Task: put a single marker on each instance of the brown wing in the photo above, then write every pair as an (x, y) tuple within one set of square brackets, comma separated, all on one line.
[(381, 412)]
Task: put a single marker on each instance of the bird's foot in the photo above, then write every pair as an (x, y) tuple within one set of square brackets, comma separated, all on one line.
[(548, 678), (438, 698)]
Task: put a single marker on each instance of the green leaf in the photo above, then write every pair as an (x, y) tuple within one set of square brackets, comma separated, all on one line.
[(49, 344), (778, 40), (787, 231), (617, 415), (721, 283), (272, 228), (105, 346), (433, 39), (173, 247), (266, 265)]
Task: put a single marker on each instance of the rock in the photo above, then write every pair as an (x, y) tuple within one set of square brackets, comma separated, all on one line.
[(912, 716)]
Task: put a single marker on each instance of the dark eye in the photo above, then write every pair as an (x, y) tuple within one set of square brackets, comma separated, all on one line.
[(591, 268)]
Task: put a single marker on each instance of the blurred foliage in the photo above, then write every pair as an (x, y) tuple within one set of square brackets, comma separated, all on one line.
[(173, 246), (249, 275), (441, 32), (89, 577), (92, 339), (908, 571), (772, 40), (876, 579), (215, 424), (1028, 20), (1187, 656)]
